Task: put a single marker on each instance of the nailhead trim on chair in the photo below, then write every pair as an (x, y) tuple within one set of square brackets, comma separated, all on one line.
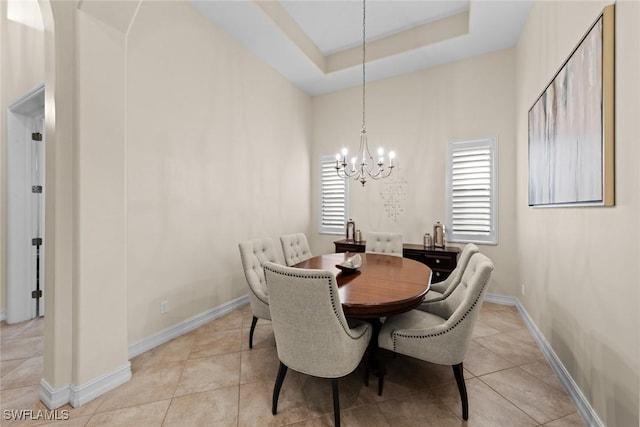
[(331, 295), (452, 327)]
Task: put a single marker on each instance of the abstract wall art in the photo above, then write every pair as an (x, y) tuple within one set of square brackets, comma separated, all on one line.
[(571, 126)]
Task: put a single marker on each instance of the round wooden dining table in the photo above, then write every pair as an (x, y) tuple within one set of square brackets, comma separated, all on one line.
[(384, 285)]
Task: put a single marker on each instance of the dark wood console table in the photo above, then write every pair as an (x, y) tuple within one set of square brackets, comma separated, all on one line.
[(441, 261)]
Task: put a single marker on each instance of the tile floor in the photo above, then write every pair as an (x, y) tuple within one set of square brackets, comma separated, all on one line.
[(209, 377)]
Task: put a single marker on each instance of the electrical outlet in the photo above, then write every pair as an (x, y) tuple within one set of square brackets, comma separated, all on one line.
[(523, 289), (164, 307)]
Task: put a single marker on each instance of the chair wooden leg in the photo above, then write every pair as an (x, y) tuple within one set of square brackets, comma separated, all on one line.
[(380, 383), (282, 371), (336, 402), (366, 362), (253, 327), (459, 374), (381, 372)]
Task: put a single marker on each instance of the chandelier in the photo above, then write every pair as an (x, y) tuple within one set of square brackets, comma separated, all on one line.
[(362, 165)]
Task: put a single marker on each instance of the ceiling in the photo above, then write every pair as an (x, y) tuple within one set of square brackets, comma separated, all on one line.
[(317, 45)]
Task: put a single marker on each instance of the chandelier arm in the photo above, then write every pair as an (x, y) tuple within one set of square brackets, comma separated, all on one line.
[(381, 175), (377, 173), (376, 177), (343, 175), (343, 168)]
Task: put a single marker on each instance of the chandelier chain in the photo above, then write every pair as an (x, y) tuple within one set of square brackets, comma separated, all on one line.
[(364, 52)]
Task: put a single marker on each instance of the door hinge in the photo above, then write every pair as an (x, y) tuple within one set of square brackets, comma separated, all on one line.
[(36, 189), (36, 294), (36, 136), (37, 241)]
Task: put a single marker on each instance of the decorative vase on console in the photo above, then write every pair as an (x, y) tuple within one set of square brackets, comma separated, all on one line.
[(351, 230), (438, 235)]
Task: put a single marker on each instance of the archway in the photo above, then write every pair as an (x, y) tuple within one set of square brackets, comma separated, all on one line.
[(59, 30)]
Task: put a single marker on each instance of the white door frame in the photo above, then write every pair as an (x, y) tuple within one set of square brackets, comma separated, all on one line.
[(24, 116)]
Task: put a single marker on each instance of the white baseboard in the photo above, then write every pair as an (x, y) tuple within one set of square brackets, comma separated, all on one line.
[(501, 299), (54, 398), (583, 407), (3, 315), (79, 395), (185, 326)]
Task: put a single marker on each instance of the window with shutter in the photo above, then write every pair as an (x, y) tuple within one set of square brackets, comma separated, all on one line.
[(472, 196), (333, 198)]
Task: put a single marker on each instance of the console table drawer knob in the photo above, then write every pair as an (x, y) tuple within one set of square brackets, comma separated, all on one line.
[(440, 261)]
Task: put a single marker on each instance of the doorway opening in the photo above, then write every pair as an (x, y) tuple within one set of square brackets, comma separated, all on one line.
[(25, 207)]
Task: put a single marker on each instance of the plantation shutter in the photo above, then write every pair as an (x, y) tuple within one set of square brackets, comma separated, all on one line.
[(333, 198), (471, 191)]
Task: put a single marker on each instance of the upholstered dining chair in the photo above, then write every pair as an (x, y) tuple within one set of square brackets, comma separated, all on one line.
[(254, 254), (311, 331), (384, 243), (295, 248), (441, 290), (443, 335)]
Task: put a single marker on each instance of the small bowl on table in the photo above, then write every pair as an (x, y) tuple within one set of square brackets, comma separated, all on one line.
[(350, 265)]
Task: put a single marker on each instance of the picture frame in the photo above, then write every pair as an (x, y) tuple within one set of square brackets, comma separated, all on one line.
[(571, 126)]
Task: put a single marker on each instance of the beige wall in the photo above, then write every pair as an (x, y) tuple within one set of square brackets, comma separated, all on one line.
[(580, 265), (22, 69), (416, 114), (100, 290), (217, 152), (167, 144)]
